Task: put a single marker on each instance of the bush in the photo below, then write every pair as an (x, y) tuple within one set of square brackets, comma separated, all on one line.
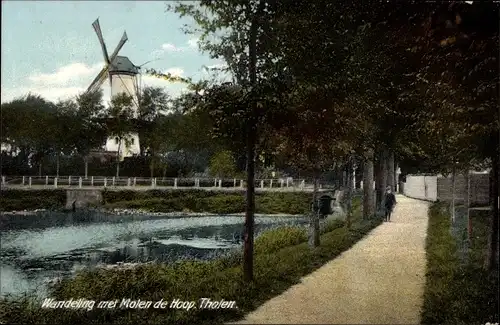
[(273, 240), (18, 200), (455, 294)]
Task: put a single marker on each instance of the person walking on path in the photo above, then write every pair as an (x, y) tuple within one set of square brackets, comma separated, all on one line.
[(389, 202)]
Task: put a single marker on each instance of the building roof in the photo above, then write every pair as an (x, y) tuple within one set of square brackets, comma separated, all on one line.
[(122, 64)]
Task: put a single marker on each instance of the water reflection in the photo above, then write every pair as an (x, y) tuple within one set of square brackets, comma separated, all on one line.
[(32, 252)]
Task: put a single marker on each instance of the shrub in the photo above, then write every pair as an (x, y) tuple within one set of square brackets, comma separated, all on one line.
[(16, 200), (272, 240)]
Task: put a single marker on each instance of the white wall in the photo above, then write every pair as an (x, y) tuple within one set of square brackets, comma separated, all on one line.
[(421, 187), (133, 149), (125, 84)]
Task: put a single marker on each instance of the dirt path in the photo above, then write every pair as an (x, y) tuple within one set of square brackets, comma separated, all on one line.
[(380, 280)]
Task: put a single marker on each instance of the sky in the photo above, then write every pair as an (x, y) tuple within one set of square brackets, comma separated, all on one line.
[(50, 48)]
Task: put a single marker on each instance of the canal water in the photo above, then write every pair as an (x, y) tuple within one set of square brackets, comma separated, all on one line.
[(37, 248)]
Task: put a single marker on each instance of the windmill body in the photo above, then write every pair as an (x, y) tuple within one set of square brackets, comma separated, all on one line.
[(122, 75)]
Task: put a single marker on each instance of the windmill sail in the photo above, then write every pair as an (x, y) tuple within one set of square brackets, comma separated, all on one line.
[(97, 28)]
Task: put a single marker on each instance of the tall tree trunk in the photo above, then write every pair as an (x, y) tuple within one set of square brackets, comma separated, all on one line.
[(453, 192), (492, 256), (152, 166), (86, 162), (251, 144), (350, 190), (57, 164), (314, 239), (380, 181), (118, 158), (391, 178), (368, 195)]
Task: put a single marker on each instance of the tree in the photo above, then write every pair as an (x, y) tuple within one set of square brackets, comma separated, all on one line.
[(63, 130), (92, 130), (238, 27), (120, 125), (153, 105), (222, 164)]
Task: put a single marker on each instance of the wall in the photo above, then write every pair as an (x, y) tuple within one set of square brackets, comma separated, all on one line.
[(83, 198), (433, 188), (421, 187)]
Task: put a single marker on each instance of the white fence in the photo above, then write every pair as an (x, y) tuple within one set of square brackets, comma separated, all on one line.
[(140, 182)]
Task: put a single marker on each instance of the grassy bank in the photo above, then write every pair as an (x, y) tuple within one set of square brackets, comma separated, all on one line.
[(164, 201), (456, 293), (18, 200), (282, 258), (207, 201)]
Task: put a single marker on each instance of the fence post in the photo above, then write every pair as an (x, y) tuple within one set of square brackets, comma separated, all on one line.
[(261, 183), (3, 180), (241, 183), (196, 182), (175, 182), (128, 182), (135, 180), (105, 181), (152, 182), (23, 180), (69, 180), (271, 184), (282, 181), (215, 182), (303, 183), (234, 182), (91, 180), (113, 181), (80, 182), (46, 180), (155, 182), (220, 183), (55, 182), (287, 182), (29, 181)]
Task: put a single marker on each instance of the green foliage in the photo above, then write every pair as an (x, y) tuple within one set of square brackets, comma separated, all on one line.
[(456, 294), (273, 240), (207, 201), (276, 269), (19, 200), (222, 164)]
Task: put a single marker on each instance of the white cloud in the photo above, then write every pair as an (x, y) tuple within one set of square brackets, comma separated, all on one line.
[(217, 66), (71, 80), (67, 74), (193, 43), (168, 47)]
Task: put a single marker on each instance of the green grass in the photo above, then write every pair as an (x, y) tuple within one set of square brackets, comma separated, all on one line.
[(454, 293), (282, 258)]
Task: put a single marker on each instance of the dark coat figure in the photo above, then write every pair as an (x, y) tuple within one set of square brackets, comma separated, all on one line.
[(389, 202)]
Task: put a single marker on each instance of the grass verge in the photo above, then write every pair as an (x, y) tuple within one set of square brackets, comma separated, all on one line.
[(455, 293), (277, 266)]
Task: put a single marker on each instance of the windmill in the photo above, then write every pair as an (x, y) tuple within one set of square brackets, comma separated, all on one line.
[(123, 78)]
